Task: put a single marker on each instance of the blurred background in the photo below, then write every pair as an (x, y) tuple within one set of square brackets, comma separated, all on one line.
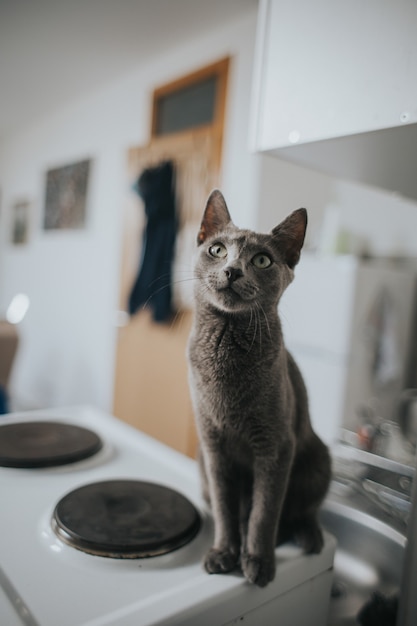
[(281, 105)]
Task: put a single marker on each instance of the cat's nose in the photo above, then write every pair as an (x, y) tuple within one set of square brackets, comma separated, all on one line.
[(233, 273)]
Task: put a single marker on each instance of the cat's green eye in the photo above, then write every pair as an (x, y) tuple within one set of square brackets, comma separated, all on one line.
[(218, 250), (261, 261)]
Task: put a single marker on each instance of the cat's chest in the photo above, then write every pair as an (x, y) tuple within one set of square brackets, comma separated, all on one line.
[(236, 389), (224, 360), (229, 375)]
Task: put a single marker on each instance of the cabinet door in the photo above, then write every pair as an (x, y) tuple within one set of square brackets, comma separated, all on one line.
[(330, 69), (151, 388)]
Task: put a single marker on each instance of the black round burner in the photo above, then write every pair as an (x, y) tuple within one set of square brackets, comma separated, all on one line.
[(45, 444), (125, 519)]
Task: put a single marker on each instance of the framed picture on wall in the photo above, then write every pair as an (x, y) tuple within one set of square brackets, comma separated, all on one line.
[(66, 196), (20, 221)]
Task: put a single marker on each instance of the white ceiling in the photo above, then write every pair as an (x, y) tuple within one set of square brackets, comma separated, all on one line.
[(52, 51)]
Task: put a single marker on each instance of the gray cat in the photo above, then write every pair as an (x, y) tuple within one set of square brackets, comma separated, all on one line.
[(264, 470)]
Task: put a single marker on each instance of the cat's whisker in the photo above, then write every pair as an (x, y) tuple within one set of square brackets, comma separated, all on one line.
[(177, 319), (185, 280), (165, 286), (260, 328), (253, 315), (183, 273), (257, 325), (266, 320), (250, 319), (154, 293), (166, 276)]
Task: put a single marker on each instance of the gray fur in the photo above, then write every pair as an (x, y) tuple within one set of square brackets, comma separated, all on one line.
[(264, 471)]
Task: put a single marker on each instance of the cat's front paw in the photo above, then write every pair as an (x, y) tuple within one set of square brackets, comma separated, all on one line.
[(220, 561), (259, 570)]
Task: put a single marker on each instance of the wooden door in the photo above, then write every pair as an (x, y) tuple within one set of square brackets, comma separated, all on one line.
[(151, 387)]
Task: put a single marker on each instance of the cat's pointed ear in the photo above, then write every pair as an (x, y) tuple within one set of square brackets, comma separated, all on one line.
[(289, 236), (216, 216)]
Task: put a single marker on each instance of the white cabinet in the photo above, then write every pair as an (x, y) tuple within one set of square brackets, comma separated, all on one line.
[(328, 76), (348, 325)]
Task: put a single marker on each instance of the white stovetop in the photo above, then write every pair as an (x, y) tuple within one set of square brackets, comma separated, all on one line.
[(52, 584)]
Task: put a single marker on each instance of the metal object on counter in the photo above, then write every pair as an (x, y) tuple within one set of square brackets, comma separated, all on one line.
[(408, 600), (381, 486), (367, 510), (407, 416), (369, 558)]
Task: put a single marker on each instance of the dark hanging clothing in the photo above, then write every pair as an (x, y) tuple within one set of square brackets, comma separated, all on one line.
[(153, 285), (4, 405)]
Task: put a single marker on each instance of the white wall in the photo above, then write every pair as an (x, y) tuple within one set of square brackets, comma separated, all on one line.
[(68, 339), (67, 348)]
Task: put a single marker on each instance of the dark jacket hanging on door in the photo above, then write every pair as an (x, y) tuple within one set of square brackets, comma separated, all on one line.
[(153, 285)]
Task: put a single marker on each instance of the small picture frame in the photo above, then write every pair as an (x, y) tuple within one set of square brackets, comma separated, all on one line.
[(66, 196), (20, 222)]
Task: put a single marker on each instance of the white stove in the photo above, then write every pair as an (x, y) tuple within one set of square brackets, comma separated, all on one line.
[(44, 581)]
